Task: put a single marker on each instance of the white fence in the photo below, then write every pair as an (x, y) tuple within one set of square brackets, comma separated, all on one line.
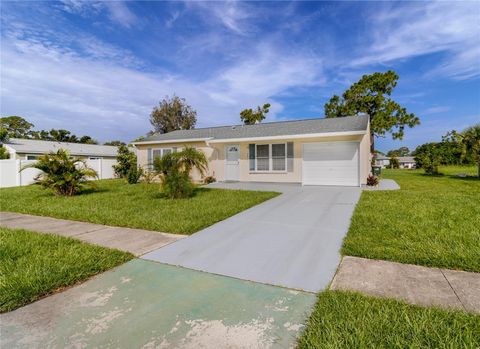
[(11, 176)]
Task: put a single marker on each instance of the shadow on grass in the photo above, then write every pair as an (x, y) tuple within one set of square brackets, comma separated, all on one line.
[(466, 178), (196, 191)]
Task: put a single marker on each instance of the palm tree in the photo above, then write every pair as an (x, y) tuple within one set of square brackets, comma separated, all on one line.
[(174, 170), (190, 158), (64, 175), (469, 140)]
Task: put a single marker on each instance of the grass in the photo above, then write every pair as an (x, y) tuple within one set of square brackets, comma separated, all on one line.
[(349, 320), (135, 206), (33, 265), (432, 221)]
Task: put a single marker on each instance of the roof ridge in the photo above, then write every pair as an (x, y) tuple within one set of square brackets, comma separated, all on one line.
[(262, 123)]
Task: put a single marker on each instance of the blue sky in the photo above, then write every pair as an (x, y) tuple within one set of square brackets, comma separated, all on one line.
[(98, 68)]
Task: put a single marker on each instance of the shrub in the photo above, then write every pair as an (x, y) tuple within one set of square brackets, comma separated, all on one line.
[(126, 159), (174, 171), (177, 185), (148, 176), (394, 163), (372, 181), (63, 175), (209, 179), (4, 154), (430, 165), (134, 174)]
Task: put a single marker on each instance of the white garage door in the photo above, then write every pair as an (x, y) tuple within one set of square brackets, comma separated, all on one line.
[(330, 163)]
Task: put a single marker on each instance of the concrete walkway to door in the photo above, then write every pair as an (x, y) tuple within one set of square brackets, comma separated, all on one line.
[(292, 240)]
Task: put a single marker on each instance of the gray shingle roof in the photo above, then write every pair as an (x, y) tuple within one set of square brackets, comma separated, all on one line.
[(268, 129), (406, 159), (76, 149)]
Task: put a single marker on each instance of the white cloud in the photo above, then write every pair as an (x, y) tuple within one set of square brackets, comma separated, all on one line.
[(118, 11), (108, 100), (419, 28), (436, 109)]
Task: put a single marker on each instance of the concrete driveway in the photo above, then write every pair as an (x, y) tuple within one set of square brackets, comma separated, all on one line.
[(292, 240)]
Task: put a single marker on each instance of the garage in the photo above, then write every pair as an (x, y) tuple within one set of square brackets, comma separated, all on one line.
[(330, 163)]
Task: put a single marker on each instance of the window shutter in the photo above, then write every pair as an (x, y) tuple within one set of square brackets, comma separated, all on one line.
[(149, 158), (290, 157), (251, 156)]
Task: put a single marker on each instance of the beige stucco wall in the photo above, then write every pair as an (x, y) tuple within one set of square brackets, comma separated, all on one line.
[(215, 153)]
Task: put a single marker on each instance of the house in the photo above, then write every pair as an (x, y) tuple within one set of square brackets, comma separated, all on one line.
[(382, 160), (30, 149), (333, 151), (22, 152), (406, 162)]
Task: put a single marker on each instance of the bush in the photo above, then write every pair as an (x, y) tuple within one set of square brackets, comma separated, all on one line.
[(394, 163), (209, 179), (174, 171), (63, 175), (126, 159), (148, 176), (372, 181), (430, 165), (134, 174), (177, 185)]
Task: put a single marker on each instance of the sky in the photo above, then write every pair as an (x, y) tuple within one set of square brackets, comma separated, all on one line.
[(98, 68)]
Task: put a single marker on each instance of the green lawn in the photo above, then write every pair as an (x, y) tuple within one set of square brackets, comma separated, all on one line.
[(136, 206), (33, 265), (431, 221), (349, 320)]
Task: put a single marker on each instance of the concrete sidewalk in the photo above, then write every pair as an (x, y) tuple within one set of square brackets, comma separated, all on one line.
[(136, 241), (411, 283)]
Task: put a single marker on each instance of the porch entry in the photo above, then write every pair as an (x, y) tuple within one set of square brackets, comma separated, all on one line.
[(232, 162)]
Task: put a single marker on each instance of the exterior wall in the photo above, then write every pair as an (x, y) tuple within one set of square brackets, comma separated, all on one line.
[(215, 153)]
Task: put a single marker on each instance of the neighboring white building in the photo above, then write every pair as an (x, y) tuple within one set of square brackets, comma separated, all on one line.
[(22, 152), (30, 149), (382, 160), (406, 162)]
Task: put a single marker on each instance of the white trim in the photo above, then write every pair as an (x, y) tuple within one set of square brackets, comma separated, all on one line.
[(248, 139), (288, 137), (181, 140)]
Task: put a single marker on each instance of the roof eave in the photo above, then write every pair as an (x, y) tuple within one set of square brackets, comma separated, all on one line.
[(294, 136), (180, 140)]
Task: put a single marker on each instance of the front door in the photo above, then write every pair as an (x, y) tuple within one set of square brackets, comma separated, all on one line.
[(232, 162)]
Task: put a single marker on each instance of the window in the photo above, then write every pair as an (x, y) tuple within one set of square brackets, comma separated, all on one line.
[(161, 152), (268, 157), (278, 157), (263, 157), (93, 158), (32, 157)]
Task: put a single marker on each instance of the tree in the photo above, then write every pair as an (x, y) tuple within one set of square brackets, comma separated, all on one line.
[(87, 140), (64, 175), (4, 154), (469, 141), (394, 163), (250, 117), (17, 126), (174, 170), (371, 95), (126, 159), (115, 143), (402, 151), (173, 114)]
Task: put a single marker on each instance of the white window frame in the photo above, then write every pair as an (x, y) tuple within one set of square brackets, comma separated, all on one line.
[(270, 159)]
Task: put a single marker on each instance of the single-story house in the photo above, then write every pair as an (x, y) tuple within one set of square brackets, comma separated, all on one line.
[(406, 162), (333, 151), (382, 160), (30, 149)]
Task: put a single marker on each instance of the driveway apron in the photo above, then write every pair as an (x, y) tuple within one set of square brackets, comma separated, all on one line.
[(293, 240)]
